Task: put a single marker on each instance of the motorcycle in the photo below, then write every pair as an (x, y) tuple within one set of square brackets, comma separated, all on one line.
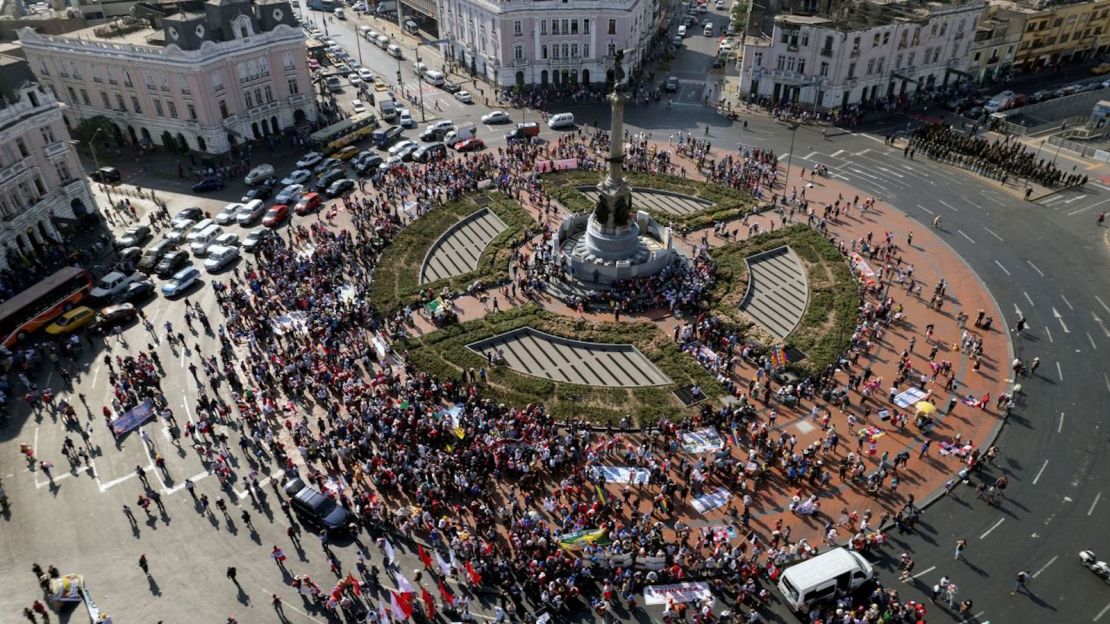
[(1092, 563)]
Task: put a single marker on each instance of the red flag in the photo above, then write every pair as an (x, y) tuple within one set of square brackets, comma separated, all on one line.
[(405, 602), (429, 602), (446, 594), (473, 574), (424, 556), (355, 585)]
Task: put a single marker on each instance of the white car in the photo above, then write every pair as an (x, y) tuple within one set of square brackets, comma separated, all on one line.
[(406, 119), (289, 195), (180, 281), (401, 146), (180, 229), (464, 97), (309, 160), (219, 256), (496, 117), (228, 214), (354, 79), (300, 176), (357, 107), (250, 212), (227, 239), (366, 74)]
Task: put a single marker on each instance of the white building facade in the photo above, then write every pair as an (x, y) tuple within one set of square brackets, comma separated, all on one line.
[(547, 42), (41, 181), (236, 73), (814, 61)]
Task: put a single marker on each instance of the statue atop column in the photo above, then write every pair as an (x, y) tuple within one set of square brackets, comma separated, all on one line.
[(614, 203)]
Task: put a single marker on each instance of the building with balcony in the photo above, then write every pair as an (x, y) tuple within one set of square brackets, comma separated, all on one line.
[(41, 181), (861, 51), (994, 48), (547, 42), (202, 75), (1055, 32)]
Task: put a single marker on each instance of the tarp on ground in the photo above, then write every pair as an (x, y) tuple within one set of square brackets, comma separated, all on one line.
[(133, 417), (678, 592), (624, 474), (702, 441)]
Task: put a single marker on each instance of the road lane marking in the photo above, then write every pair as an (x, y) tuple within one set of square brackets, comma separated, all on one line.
[(1060, 318), (1093, 503), (926, 209), (1045, 566), (96, 373), (1073, 199), (1001, 267), (966, 236), (1059, 372), (1102, 304), (836, 153), (992, 233), (924, 572), (809, 156), (1066, 301), (994, 199), (1040, 472), (1101, 613), (947, 205), (993, 527), (784, 156), (1028, 298), (1060, 427), (1049, 332), (1091, 340), (1039, 272)]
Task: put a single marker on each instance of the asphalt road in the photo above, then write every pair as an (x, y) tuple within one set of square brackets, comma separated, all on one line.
[(1046, 260)]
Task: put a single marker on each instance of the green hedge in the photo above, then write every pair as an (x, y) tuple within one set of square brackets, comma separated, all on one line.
[(826, 328), (397, 276), (444, 353), (728, 203)]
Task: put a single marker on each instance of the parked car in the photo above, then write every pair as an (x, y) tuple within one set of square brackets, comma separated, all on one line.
[(133, 236), (255, 237), (211, 183), (308, 204), (220, 257), (261, 192), (276, 215), (112, 316), (341, 187), (258, 174), (464, 97), (405, 119), (172, 262), (309, 160), (357, 107), (470, 145), (228, 214), (289, 194), (403, 147), (326, 165), (324, 181), (181, 281), (671, 84), (106, 175), (179, 230), (366, 74), (300, 176), (130, 255), (137, 291), (347, 153), (111, 285), (71, 321), (450, 87), (496, 117), (314, 508), (227, 239), (250, 212), (154, 253), (368, 164), (192, 212)]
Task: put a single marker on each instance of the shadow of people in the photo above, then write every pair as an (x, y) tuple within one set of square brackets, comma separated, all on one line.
[(152, 585)]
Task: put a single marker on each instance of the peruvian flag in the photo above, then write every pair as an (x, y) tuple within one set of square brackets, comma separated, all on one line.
[(404, 584), (427, 560), (401, 605), (429, 603), (473, 574), (355, 585), (446, 594)]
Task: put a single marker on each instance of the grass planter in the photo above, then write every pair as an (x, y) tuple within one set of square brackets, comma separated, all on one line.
[(826, 328), (728, 203), (444, 353), (397, 275)]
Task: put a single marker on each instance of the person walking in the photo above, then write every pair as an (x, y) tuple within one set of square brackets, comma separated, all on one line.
[(961, 545), (1020, 581), (143, 565), (231, 574)]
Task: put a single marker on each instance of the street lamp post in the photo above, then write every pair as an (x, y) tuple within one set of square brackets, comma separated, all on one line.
[(92, 147), (358, 45), (419, 87), (789, 159)]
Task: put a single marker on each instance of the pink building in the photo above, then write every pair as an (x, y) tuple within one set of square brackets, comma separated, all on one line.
[(231, 72)]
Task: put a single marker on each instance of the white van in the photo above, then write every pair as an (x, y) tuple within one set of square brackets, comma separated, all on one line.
[(394, 50), (200, 226), (434, 78), (822, 578), (382, 41), (340, 15), (364, 31), (199, 246), (561, 120), (708, 32), (682, 30)]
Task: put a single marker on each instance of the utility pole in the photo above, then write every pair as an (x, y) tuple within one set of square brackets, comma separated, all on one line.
[(92, 147), (789, 160)]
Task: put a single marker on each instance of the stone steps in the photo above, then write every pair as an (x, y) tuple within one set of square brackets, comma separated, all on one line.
[(458, 250), (779, 291)]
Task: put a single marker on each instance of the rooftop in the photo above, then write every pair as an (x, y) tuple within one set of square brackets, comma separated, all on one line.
[(859, 14), (126, 30)]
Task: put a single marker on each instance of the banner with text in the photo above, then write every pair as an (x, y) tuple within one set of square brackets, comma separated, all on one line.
[(679, 592)]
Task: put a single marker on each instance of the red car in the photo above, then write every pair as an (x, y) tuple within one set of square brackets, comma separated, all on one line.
[(470, 145), (308, 204), (275, 216)]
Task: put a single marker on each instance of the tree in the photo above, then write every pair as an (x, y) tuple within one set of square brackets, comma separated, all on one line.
[(740, 9), (88, 128)]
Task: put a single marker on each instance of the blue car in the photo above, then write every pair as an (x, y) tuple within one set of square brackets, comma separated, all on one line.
[(208, 184), (180, 282)]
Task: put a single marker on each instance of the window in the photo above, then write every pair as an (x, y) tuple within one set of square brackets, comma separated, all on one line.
[(886, 38), (250, 100), (192, 112), (518, 53), (40, 186), (543, 52), (875, 40), (612, 26), (85, 97), (555, 51), (612, 49), (554, 26), (801, 66), (135, 105), (543, 27), (223, 109), (104, 98), (72, 94), (824, 68), (22, 147), (566, 50), (909, 60), (879, 68), (62, 170), (184, 84), (217, 80), (780, 63), (566, 26), (851, 71), (944, 28), (586, 50), (42, 68), (287, 59), (574, 50), (517, 29), (586, 27), (269, 93), (173, 109), (870, 67), (574, 27), (158, 108), (119, 103), (48, 135), (293, 87)]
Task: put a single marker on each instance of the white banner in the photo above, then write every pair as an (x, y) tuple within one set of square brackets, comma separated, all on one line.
[(679, 592), (711, 501), (621, 474), (909, 397), (702, 441)]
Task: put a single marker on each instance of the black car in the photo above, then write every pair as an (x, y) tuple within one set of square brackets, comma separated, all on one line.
[(171, 262), (326, 164), (368, 165), (154, 254), (315, 508), (106, 175), (671, 85), (138, 290), (341, 187), (326, 180), (194, 213), (264, 191)]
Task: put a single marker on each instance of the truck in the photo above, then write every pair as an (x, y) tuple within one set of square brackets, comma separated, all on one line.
[(385, 6), (389, 109), (461, 133)]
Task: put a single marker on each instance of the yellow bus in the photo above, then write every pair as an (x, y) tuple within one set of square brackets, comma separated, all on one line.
[(344, 133)]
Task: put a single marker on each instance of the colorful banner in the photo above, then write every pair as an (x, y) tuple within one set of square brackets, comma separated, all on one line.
[(702, 441), (862, 268), (711, 501), (621, 474), (723, 533), (778, 356), (679, 592), (579, 539), (133, 417), (909, 397)]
